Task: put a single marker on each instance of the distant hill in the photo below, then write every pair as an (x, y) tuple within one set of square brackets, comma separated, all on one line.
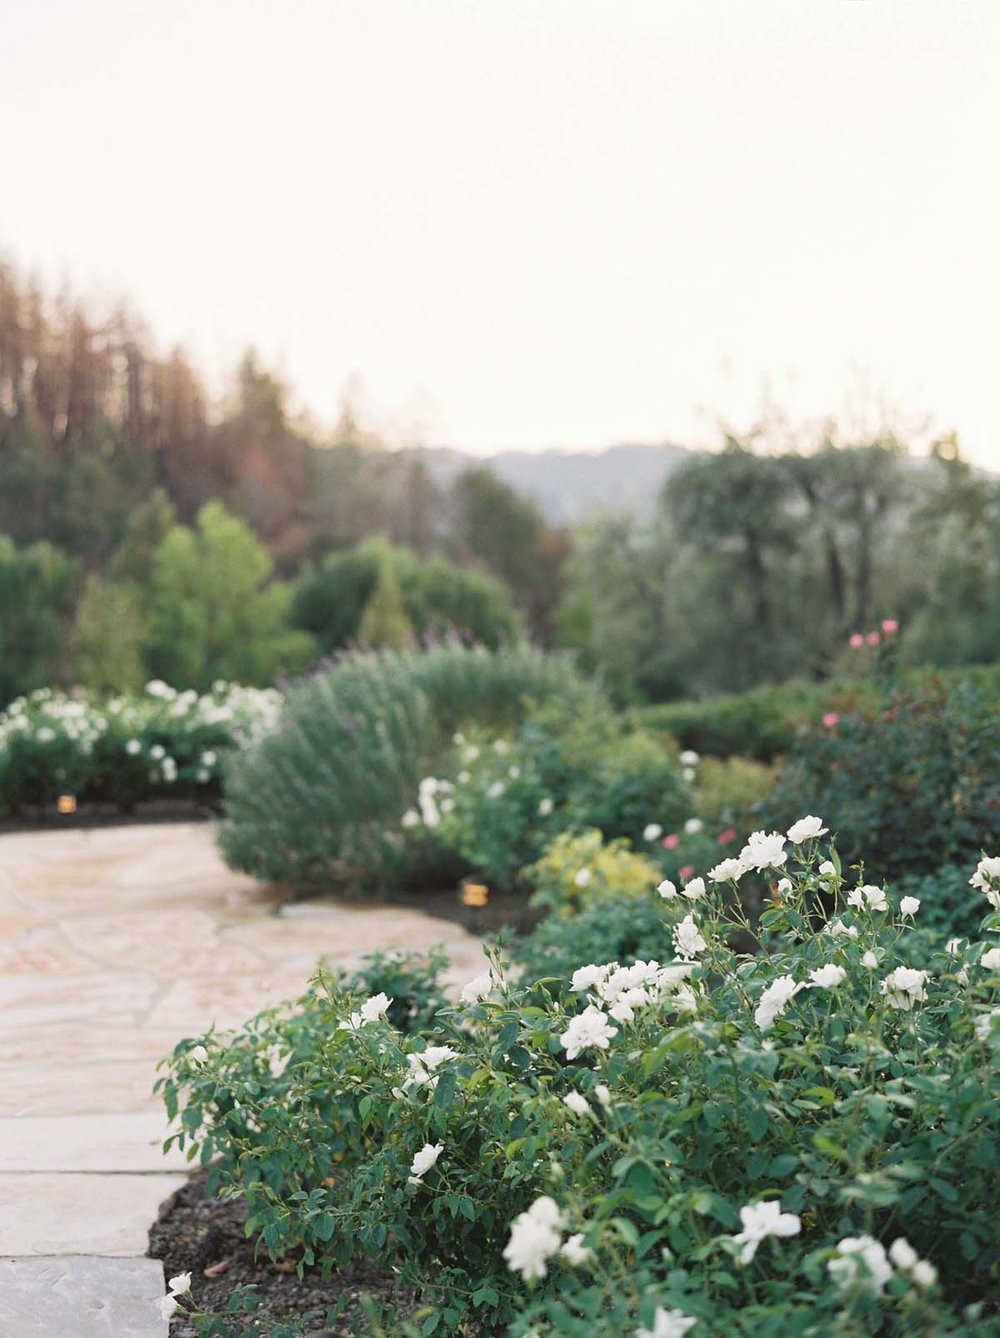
[(569, 486)]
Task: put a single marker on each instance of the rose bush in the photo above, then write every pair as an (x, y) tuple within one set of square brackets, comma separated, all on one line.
[(799, 1139)]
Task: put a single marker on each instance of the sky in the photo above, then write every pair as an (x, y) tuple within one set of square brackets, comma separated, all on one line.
[(530, 223)]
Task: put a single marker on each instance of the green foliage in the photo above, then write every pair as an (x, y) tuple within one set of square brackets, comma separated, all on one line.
[(439, 597), (385, 624), (908, 788), (731, 790), (107, 638), (123, 749), (322, 797), (603, 929), (592, 1157), (37, 585), (214, 612)]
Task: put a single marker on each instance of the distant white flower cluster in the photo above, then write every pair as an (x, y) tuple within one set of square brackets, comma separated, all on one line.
[(65, 726)]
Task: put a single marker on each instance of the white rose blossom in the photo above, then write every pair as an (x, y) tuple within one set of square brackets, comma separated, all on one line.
[(667, 1324), (827, 869), (869, 959), (534, 1238), (806, 829), (764, 850), (587, 1030), (868, 896), (827, 977), (761, 1220), (652, 831), (574, 1251), (902, 1254), (423, 1161), (861, 1261), (586, 977), (909, 906), (728, 871), (687, 939), (667, 889), (924, 1274), (991, 959), (374, 1008), (775, 999), (582, 878), (180, 1284), (578, 1104), (694, 889), (987, 879), (479, 988), (839, 930), (693, 826), (904, 987), (545, 807), (689, 758)]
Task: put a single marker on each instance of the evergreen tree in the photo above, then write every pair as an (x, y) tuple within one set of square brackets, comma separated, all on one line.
[(385, 624)]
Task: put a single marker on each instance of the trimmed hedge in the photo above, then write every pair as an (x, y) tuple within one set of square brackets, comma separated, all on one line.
[(766, 721)]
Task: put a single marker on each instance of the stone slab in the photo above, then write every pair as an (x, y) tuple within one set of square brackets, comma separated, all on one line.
[(128, 1143), (29, 1000), (51, 1214), (114, 1087), (81, 1298)]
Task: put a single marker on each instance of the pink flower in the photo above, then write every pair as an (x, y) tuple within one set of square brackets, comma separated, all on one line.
[(856, 641), (671, 842), (890, 626), (685, 873), (725, 837), (872, 638), (830, 719)]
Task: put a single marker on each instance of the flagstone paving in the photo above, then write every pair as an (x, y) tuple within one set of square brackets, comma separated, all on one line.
[(114, 944)]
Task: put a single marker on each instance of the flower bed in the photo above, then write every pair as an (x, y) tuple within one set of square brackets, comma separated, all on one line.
[(152, 745), (799, 1139)]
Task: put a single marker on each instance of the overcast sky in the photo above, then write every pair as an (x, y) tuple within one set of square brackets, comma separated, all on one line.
[(563, 222)]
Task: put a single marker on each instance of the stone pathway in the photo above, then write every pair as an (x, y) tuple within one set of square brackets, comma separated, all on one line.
[(114, 944)]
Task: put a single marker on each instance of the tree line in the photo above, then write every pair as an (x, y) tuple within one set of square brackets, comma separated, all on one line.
[(145, 528)]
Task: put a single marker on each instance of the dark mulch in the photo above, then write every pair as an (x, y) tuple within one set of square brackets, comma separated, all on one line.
[(195, 1233), (504, 910), (37, 818)]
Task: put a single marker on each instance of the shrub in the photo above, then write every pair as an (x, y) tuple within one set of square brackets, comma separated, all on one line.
[(155, 744), (578, 871), (569, 768), (731, 790), (322, 797), (908, 788), (805, 1140), (330, 596), (627, 784)]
